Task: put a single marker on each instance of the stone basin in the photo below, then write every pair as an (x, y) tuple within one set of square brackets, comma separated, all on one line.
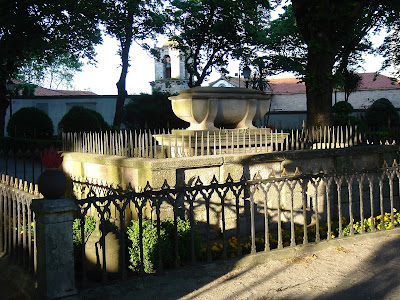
[(234, 108)]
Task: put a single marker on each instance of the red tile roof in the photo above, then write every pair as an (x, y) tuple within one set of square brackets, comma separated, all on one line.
[(370, 81), (287, 86), (41, 91)]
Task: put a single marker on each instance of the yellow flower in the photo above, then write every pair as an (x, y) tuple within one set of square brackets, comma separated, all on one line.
[(214, 248), (332, 236)]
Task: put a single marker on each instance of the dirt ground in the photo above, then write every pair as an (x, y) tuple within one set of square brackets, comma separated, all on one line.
[(363, 267)]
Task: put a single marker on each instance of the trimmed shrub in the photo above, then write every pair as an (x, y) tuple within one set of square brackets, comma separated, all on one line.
[(379, 114), (80, 119), (343, 107), (150, 243), (30, 122), (342, 115)]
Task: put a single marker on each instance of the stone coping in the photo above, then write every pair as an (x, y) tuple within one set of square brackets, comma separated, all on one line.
[(217, 160)]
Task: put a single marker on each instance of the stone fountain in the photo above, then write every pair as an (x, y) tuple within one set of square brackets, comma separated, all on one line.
[(218, 116)]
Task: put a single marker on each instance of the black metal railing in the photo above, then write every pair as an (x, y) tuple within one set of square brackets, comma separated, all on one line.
[(25, 165), (243, 216)]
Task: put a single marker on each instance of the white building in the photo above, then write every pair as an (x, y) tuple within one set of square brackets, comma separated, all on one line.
[(289, 104), (57, 103)]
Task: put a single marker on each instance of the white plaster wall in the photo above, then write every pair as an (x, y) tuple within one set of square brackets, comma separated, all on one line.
[(359, 99), (58, 107)]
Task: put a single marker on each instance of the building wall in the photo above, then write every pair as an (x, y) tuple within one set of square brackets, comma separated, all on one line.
[(289, 110), (56, 108)]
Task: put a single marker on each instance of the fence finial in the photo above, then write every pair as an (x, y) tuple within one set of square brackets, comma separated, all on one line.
[(257, 176), (272, 174), (297, 171)]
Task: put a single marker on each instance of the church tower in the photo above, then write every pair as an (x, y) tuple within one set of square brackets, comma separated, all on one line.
[(170, 73)]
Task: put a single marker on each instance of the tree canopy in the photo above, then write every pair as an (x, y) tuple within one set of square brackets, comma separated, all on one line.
[(333, 31), (209, 32), (42, 31)]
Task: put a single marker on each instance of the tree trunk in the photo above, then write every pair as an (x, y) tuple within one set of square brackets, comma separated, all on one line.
[(4, 103), (319, 88), (121, 84)]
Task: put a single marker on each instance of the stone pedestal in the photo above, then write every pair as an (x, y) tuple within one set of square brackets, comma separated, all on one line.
[(55, 257)]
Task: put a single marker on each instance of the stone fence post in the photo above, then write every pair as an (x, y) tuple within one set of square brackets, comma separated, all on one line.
[(55, 257)]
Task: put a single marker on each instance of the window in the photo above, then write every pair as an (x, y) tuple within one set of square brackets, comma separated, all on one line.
[(167, 66)]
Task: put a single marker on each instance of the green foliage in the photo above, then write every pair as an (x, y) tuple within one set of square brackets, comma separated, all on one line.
[(287, 51), (150, 243), (50, 74), (335, 33), (209, 33), (80, 119), (347, 81), (380, 113), (90, 225), (30, 122), (26, 89), (342, 115), (150, 112), (343, 108)]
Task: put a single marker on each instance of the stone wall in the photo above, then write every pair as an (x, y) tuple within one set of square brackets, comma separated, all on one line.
[(137, 172)]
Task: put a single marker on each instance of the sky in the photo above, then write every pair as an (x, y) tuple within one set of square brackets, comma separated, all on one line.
[(102, 77)]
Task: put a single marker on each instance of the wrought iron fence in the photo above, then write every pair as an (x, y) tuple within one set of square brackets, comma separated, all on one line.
[(25, 165), (17, 221), (244, 216)]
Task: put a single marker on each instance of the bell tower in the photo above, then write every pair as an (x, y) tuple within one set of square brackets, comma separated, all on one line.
[(170, 73)]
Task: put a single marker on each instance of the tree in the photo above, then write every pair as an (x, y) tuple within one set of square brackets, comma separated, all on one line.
[(42, 31), (285, 49), (347, 82), (209, 32), (151, 112), (390, 49), (129, 21), (332, 29), (55, 74)]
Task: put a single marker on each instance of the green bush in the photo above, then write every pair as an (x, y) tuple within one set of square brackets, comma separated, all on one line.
[(80, 119), (342, 115), (90, 225), (30, 122), (150, 243), (379, 114), (343, 108)]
